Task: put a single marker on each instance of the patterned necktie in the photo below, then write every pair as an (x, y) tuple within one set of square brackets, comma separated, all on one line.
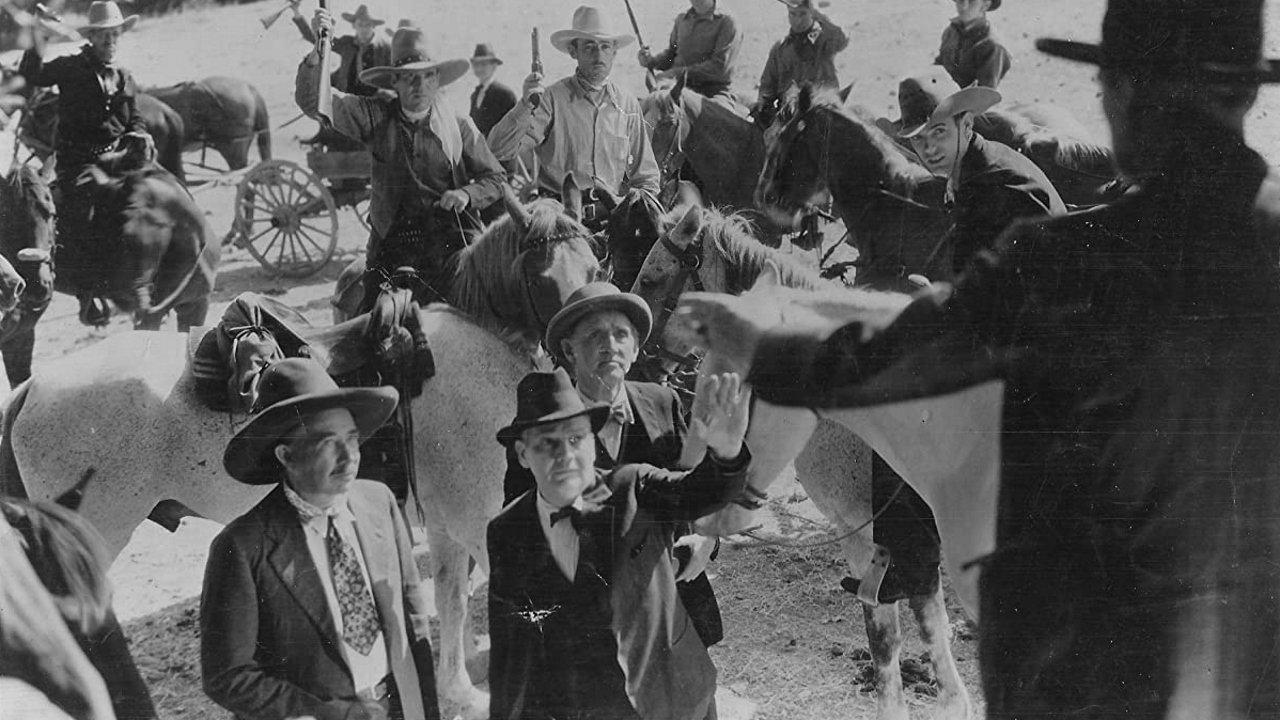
[(359, 617)]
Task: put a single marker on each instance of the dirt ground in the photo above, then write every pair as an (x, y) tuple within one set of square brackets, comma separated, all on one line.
[(795, 645)]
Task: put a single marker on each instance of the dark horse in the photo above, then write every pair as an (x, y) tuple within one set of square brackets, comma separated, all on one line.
[(724, 149), (26, 275), (224, 113), (70, 561), (891, 206), (40, 128)]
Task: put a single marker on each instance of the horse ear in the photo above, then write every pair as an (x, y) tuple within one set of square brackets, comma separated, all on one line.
[(844, 93), (679, 87), (688, 194), (607, 197), (650, 84), (72, 498), (805, 100), (686, 231), (519, 213), (768, 277)]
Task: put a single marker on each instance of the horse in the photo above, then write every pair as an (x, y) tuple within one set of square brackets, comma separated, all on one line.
[(127, 407), (71, 561), (224, 113), (723, 148), (708, 251), (891, 206), (40, 127)]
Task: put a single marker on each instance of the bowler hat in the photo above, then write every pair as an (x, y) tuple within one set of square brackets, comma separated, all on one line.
[(290, 391), (588, 24), (543, 398), (409, 55), (104, 14), (595, 297), (362, 13), (1215, 40), (484, 53), (932, 96)]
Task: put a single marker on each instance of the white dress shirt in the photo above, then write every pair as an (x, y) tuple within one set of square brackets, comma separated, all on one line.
[(562, 537), (366, 670), (611, 432)]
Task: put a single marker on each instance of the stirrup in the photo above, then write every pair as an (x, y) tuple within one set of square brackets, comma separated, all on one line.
[(868, 588)]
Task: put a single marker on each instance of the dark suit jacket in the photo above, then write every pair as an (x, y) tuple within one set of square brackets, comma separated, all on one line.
[(268, 646), (498, 99), (655, 438), (86, 114), (551, 655)]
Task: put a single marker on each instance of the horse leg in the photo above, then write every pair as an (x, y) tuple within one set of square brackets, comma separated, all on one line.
[(235, 152), (449, 563), (884, 636), (17, 350), (935, 630)]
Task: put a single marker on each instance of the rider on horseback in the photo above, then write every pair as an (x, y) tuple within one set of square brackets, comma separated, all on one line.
[(806, 55), (97, 118), (430, 164), (703, 46), (583, 125)]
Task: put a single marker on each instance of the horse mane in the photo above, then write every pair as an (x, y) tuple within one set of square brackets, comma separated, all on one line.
[(732, 235), (489, 282), (70, 558), (896, 169)]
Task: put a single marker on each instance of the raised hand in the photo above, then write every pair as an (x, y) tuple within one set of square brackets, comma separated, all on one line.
[(720, 413)]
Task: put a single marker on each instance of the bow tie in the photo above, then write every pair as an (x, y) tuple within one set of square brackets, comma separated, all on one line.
[(618, 413), (571, 512)]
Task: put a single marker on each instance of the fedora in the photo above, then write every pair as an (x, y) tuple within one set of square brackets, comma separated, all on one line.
[(409, 55), (288, 391), (484, 53), (543, 398), (105, 14), (1216, 41), (595, 297), (932, 96), (588, 24), (361, 14)]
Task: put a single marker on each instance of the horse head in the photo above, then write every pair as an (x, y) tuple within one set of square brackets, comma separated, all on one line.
[(794, 176), (670, 113), (523, 267)]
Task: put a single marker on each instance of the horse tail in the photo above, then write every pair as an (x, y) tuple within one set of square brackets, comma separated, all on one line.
[(11, 484), (261, 125), (170, 155)]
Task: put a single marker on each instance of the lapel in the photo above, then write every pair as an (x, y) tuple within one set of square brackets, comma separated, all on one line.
[(650, 411), (288, 556), (379, 552), (539, 582)]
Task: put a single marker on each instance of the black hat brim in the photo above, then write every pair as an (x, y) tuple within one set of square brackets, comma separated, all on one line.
[(1267, 71), (597, 414), (247, 457)]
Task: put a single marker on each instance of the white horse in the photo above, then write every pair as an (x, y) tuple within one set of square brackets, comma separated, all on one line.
[(831, 449), (126, 407)]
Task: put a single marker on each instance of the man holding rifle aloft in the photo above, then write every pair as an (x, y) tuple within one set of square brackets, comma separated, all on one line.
[(583, 124), (704, 43), (430, 163)]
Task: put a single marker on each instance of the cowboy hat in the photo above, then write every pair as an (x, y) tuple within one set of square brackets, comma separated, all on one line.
[(592, 298), (361, 13), (409, 55), (289, 391), (404, 23), (484, 53), (104, 14), (588, 24), (543, 398), (1216, 41), (933, 96)]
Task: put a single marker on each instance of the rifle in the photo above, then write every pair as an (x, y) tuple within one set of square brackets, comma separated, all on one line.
[(649, 80), (269, 20), (535, 65), (324, 99)]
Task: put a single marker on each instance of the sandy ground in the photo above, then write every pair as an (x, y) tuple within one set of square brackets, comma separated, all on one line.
[(796, 648)]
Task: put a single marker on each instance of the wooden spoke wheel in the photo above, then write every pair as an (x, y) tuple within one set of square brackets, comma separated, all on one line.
[(286, 218)]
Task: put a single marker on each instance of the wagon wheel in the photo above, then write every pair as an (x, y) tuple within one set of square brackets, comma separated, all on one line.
[(361, 208), (286, 218)]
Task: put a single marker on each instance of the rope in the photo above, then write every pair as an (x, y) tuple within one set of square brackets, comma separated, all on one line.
[(765, 542)]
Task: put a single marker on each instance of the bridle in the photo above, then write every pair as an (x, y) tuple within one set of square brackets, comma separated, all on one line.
[(668, 168), (690, 260), (529, 243)]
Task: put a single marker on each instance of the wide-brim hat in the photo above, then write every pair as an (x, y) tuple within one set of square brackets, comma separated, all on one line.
[(404, 23), (1218, 41), (995, 5), (933, 96), (543, 398), (592, 298), (588, 24), (409, 55), (484, 53), (288, 392), (104, 14), (362, 13)]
